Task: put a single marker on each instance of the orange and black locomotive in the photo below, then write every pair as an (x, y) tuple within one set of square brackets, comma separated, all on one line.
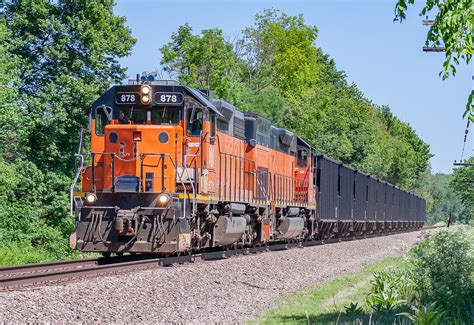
[(173, 169)]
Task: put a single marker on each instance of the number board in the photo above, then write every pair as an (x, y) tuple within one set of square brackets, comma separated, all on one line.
[(127, 98), (168, 98)]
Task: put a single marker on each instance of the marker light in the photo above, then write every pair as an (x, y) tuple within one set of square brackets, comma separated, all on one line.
[(163, 199), (91, 198)]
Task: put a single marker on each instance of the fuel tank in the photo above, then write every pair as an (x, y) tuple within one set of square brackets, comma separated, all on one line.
[(228, 230), (290, 227)]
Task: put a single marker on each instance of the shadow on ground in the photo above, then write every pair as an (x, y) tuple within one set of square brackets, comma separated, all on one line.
[(339, 319)]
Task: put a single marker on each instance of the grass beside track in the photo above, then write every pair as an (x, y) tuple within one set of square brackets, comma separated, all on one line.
[(325, 303), (16, 255)]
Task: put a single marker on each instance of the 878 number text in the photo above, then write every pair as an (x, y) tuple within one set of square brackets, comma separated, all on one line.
[(168, 98)]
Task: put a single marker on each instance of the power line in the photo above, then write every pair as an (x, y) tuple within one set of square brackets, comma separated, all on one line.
[(435, 48), (465, 138)]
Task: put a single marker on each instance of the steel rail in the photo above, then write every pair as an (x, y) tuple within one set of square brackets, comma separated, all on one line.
[(17, 270), (32, 275)]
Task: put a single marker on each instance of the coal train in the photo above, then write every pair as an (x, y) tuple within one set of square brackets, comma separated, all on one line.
[(172, 169)]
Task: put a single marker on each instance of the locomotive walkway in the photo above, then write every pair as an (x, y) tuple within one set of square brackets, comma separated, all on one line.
[(227, 290)]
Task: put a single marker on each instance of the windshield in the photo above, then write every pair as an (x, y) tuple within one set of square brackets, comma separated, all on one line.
[(161, 115)]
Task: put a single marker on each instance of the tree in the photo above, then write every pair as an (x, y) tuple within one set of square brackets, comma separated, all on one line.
[(12, 122), (411, 153), (56, 58), (277, 71), (203, 61), (463, 184), (21, 183), (441, 199), (453, 27), (67, 54), (279, 51)]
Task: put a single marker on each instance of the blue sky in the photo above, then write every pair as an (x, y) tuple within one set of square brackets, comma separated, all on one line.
[(383, 58)]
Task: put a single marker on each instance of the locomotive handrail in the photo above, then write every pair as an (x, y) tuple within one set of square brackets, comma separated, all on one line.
[(162, 157), (239, 160), (78, 173), (225, 169), (198, 152), (142, 157), (114, 155)]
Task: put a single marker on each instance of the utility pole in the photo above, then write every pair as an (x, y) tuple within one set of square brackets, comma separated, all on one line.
[(430, 22), (466, 132), (463, 164), (436, 48)]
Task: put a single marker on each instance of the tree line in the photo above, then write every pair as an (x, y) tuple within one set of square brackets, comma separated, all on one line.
[(57, 57), (276, 69)]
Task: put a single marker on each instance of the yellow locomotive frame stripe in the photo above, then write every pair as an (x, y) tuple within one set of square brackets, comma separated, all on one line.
[(213, 198)]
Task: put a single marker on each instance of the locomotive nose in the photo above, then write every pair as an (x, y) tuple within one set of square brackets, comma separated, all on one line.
[(141, 158)]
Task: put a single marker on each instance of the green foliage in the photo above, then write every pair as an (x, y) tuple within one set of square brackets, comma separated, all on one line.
[(462, 183), (266, 102), (453, 29), (327, 302), (276, 70), (353, 310), (385, 295), (426, 315), (278, 51), (442, 199), (204, 62), (12, 122), (439, 270), (64, 63), (424, 287), (53, 63)]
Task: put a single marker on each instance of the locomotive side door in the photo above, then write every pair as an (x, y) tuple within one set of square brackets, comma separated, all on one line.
[(212, 152), (201, 147), (208, 176)]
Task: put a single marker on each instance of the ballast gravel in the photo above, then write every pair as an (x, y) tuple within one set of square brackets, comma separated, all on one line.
[(232, 290)]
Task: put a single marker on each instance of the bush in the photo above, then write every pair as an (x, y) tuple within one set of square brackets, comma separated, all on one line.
[(439, 270), (426, 315), (385, 294)]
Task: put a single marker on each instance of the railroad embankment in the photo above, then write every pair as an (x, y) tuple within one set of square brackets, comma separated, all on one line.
[(230, 290)]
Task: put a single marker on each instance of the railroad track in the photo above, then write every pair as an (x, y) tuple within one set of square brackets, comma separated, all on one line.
[(33, 275)]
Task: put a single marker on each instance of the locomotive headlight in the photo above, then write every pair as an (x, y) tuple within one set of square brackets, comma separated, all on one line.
[(145, 93), (163, 199), (146, 90), (91, 198)]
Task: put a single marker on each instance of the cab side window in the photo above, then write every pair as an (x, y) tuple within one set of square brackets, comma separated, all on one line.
[(194, 119), (302, 158), (102, 118)]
